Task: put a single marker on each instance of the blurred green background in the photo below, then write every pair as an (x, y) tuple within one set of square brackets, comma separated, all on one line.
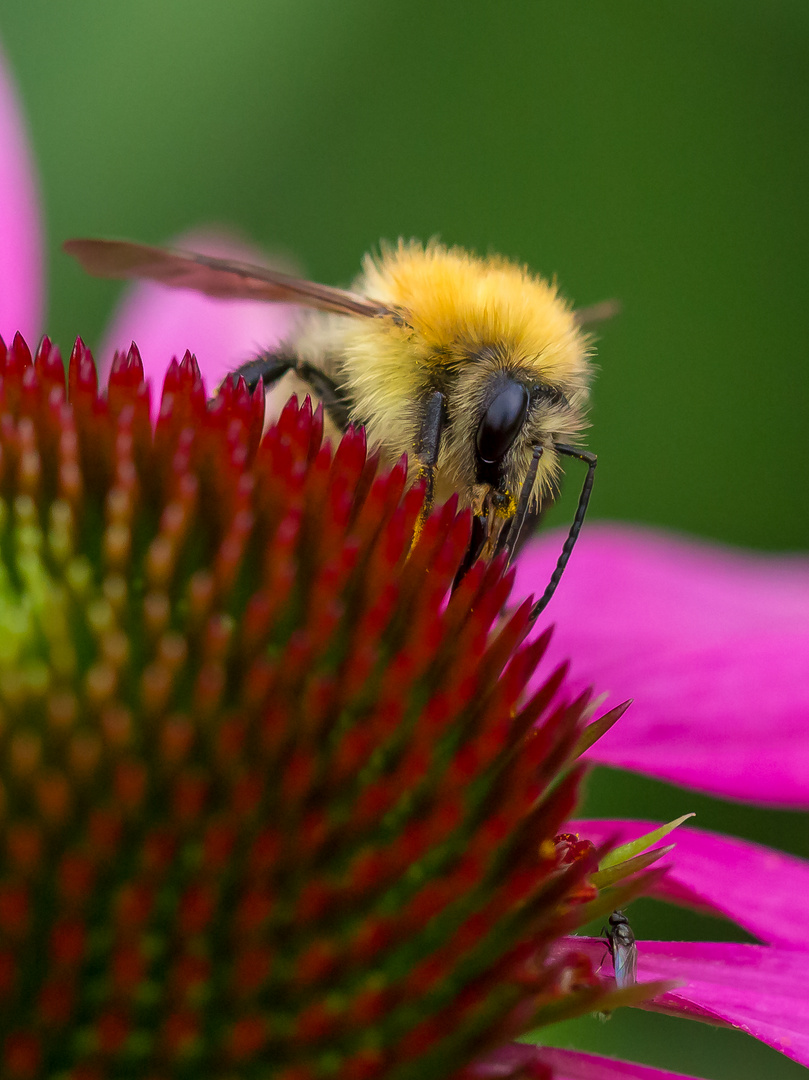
[(653, 152)]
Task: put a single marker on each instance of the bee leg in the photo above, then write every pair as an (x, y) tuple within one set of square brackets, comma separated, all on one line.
[(477, 542), (575, 528), (533, 521), (269, 367), (515, 532), (427, 448), (509, 545), (328, 392)]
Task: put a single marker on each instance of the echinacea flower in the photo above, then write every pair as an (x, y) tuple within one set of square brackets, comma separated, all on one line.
[(272, 804), (713, 649)]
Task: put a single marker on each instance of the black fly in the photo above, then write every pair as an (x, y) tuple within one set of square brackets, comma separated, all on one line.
[(620, 941)]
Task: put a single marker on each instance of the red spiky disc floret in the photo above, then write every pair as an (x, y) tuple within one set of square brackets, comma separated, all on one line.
[(271, 804)]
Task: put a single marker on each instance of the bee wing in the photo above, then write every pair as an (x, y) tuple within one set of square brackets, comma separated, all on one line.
[(597, 313), (206, 274), (625, 963)]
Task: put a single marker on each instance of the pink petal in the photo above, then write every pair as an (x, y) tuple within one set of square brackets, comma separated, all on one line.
[(221, 333), (761, 889), (505, 1061), (566, 1065), (21, 274), (713, 645), (758, 989), (763, 991)]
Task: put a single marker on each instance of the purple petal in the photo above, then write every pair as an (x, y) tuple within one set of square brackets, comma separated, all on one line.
[(505, 1061), (573, 1065), (713, 645), (221, 333), (761, 889), (20, 233), (758, 989), (564, 1065), (763, 991)]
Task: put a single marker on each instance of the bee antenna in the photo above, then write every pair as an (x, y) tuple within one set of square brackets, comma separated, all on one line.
[(510, 545), (575, 528)]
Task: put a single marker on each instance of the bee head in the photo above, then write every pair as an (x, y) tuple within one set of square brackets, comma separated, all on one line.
[(511, 411), (497, 342)]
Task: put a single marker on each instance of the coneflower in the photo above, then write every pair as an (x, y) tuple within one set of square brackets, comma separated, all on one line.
[(274, 803)]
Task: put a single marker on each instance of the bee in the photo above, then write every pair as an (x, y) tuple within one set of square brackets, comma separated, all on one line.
[(474, 367), (620, 941)]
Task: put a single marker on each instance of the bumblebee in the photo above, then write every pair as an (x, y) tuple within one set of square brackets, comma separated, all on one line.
[(473, 367)]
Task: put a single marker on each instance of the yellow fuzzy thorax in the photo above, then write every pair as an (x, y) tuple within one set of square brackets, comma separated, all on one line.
[(452, 298)]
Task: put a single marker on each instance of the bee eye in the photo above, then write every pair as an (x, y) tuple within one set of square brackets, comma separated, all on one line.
[(501, 423), (550, 394)]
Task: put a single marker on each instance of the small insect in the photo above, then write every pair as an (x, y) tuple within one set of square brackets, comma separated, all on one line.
[(620, 941), (474, 367)]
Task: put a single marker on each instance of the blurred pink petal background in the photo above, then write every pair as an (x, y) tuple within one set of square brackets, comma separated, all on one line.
[(21, 276), (758, 989), (566, 1065), (711, 642)]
